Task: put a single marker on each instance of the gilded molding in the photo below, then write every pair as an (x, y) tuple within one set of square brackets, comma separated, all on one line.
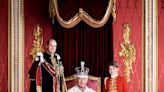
[(9, 47), (16, 45), (37, 42), (82, 15), (128, 52), (150, 46)]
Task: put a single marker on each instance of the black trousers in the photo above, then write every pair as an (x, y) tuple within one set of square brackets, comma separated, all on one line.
[(33, 86)]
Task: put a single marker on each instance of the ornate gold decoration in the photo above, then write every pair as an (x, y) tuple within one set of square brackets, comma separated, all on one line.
[(114, 10), (128, 51), (113, 85), (82, 15), (37, 42)]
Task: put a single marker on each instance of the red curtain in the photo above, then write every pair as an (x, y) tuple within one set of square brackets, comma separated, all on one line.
[(82, 42), (4, 46), (95, 8)]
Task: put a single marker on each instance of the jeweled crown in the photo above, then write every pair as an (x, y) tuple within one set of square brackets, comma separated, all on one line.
[(82, 71)]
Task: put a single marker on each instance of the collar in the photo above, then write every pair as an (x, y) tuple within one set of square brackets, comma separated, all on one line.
[(52, 55), (114, 76)]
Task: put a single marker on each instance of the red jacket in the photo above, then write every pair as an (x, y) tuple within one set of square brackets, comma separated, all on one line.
[(121, 84)]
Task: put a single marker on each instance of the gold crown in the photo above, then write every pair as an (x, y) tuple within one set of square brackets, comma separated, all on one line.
[(82, 71)]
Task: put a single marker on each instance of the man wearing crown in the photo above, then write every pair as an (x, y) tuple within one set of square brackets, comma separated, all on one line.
[(82, 79), (115, 83)]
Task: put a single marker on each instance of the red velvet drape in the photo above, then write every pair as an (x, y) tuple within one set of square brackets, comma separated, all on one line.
[(95, 8), (82, 42), (4, 46)]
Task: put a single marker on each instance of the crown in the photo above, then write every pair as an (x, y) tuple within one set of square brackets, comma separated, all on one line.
[(82, 71)]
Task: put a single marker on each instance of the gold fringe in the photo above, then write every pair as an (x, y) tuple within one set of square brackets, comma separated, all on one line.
[(82, 15)]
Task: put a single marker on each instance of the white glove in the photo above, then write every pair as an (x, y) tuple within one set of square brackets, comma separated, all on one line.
[(40, 54), (58, 56)]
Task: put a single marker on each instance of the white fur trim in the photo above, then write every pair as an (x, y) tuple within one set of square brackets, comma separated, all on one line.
[(82, 76)]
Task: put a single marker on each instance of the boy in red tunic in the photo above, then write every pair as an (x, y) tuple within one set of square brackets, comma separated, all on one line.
[(115, 83)]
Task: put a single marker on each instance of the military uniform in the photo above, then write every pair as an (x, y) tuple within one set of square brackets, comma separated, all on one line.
[(117, 84)]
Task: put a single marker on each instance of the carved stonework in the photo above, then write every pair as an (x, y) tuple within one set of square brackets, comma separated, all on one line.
[(37, 42), (128, 52)]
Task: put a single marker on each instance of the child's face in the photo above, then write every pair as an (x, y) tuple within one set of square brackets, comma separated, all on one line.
[(113, 70)]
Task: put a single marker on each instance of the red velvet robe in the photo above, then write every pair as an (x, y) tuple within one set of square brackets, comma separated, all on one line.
[(121, 85)]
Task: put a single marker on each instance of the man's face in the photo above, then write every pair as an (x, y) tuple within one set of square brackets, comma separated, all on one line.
[(82, 82), (113, 70), (51, 47)]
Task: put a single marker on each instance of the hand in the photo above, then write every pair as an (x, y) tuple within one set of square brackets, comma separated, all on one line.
[(57, 56), (40, 55), (61, 68)]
